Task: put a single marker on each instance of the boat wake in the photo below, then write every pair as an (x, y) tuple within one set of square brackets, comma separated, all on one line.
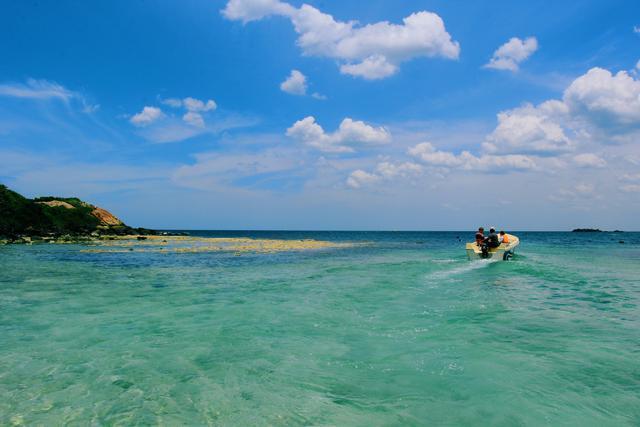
[(465, 268)]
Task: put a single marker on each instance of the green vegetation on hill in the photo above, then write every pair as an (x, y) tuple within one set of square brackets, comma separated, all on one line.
[(19, 215), (55, 216)]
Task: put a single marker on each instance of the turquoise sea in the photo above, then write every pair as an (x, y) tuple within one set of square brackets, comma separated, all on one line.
[(401, 331)]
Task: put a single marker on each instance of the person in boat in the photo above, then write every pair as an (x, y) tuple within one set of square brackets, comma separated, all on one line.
[(492, 240), (504, 237), (480, 236)]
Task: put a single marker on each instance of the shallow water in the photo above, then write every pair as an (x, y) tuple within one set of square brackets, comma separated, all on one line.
[(402, 331)]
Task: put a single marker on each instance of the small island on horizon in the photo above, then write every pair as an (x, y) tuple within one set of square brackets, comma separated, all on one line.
[(592, 230)]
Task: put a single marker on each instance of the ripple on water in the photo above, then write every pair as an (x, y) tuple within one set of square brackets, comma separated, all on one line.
[(391, 333)]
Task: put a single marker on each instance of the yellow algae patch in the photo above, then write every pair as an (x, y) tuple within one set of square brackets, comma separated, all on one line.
[(188, 244)]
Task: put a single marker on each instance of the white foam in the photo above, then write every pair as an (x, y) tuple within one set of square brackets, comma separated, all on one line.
[(466, 267)]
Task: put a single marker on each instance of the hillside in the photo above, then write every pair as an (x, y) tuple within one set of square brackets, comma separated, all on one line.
[(55, 217)]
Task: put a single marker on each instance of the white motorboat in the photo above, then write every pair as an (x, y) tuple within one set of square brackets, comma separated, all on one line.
[(503, 252)]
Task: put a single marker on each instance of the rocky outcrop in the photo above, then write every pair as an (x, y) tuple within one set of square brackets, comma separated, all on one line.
[(105, 217)]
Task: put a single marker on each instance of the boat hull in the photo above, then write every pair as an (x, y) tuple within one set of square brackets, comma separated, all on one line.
[(502, 252)]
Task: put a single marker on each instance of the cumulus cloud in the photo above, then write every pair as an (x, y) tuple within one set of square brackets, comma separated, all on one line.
[(147, 116), (589, 160), (371, 51), (295, 84), (605, 101), (196, 105), (384, 171), (193, 109), (191, 104), (597, 107), (512, 53), (350, 132), (429, 155), (360, 178), (194, 119), (558, 135), (530, 129), (371, 68)]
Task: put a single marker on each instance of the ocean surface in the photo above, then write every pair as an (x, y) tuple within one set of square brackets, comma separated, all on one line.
[(402, 330)]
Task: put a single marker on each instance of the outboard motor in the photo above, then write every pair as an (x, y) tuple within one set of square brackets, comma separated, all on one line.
[(485, 250)]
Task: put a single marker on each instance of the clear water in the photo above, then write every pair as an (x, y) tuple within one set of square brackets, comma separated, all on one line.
[(404, 331)]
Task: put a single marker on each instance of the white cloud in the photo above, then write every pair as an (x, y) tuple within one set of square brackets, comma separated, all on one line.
[(605, 100), (589, 160), (172, 131), (196, 106), (350, 132), (318, 96), (555, 136), (636, 29), (429, 155), (512, 53), (384, 171), (392, 170), (252, 10), (597, 107), (36, 89), (172, 102), (312, 134), (530, 129), (295, 84), (371, 51), (631, 177), (371, 68), (194, 119), (191, 104), (359, 178), (147, 116), (632, 183)]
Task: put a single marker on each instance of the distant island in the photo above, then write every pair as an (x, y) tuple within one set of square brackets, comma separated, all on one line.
[(592, 230), (24, 220)]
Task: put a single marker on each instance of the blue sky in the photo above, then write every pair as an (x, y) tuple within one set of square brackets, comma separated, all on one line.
[(267, 114)]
